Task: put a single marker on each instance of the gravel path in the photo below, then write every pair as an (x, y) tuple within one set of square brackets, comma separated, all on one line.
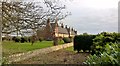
[(57, 57), (30, 54)]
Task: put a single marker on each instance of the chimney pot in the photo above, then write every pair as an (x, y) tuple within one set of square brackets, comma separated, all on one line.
[(62, 25)]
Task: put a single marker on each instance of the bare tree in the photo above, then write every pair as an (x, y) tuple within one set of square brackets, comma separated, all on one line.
[(24, 15), (0, 34), (17, 16)]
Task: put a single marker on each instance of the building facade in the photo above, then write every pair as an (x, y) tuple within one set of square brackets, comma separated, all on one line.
[(52, 30)]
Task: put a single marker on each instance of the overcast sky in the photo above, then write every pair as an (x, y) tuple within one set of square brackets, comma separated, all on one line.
[(92, 16)]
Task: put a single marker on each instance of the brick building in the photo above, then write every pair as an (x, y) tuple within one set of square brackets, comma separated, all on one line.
[(52, 30)]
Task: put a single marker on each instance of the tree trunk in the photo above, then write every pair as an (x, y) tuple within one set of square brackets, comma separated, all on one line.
[(1, 34), (55, 41)]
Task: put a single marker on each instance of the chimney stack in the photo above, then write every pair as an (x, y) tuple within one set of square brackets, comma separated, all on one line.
[(66, 26), (72, 29), (62, 25), (75, 32)]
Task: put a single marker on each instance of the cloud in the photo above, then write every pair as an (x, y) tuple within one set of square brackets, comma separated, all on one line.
[(92, 16), (94, 21)]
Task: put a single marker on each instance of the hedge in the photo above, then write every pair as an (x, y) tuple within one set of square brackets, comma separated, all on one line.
[(105, 50), (67, 40), (83, 42), (20, 39), (16, 39), (24, 39), (102, 39)]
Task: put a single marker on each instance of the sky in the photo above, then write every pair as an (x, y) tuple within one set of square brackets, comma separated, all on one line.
[(91, 16)]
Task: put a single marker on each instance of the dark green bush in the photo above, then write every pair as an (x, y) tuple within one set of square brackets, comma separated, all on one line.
[(109, 57), (4, 38), (13, 38), (67, 40), (41, 39), (106, 49), (101, 40), (29, 39), (26, 39), (16, 39), (22, 40), (83, 42), (71, 38)]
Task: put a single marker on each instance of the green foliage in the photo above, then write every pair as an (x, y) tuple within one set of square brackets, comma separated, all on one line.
[(67, 40), (30, 39), (41, 39), (101, 40), (71, 39), (24, 39), (106, 48), (4, 38), (16, 39), (60, 41), (111, 56), (83, 42)]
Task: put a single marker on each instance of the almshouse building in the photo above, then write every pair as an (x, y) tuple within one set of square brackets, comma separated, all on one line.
[(52, 30)]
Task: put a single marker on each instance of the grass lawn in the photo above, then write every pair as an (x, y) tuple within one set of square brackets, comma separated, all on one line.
[(70, 49), (10, 47)]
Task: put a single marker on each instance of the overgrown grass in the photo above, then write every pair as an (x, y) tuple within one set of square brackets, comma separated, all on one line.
[(70, 49), (10, 47)]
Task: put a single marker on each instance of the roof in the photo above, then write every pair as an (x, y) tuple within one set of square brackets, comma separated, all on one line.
[(72, 32), (62, 30), (52, 25)]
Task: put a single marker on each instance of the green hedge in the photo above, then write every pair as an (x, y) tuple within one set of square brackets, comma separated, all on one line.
[(67, 40), (110, 57), (16, 39), (83, 42), (102, 39), (20, 39), (24, 39), (106, 48)]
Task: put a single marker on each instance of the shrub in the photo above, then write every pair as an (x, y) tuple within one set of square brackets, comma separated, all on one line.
[(22, 40), (4, 38), (13, 38), (29, 39), (111, 56), (16, 39), (41, 39), (106, 49), (101, 40), (26, 39), (71, 38), (49, 39), (83, 42), (67, 40), (60, 39)]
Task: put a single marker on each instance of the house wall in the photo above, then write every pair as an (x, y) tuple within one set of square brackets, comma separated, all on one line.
[(61, 35), (72, 35), (50, 33)]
